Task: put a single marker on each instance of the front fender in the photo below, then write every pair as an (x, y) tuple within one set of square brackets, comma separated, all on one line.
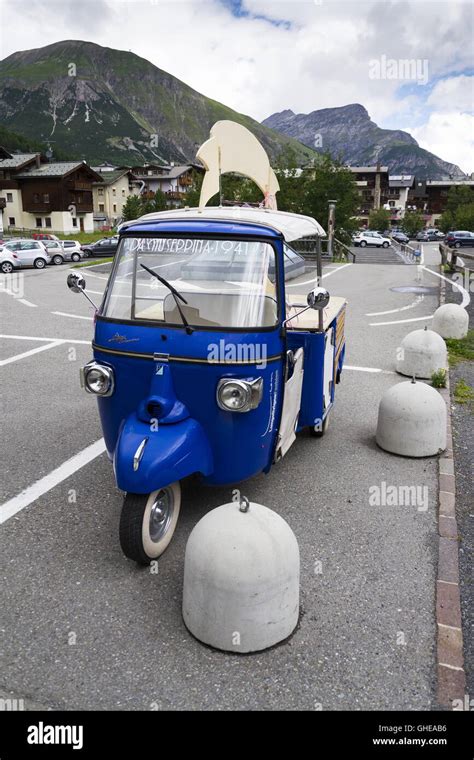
[(172, 452)]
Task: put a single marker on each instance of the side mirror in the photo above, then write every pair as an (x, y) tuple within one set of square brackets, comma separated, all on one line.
[(318, 298), (76, 282)]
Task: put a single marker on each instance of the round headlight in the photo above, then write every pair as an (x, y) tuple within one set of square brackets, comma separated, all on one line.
[(99, 380), (234, 395)]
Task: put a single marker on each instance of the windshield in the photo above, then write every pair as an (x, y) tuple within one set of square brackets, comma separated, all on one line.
[(225, 283)]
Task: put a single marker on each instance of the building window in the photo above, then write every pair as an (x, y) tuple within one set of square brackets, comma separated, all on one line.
[(39, 222), (123, 192), (45, 197), (36, 198), (74, 221), (101, 207), (11, 221), (47, 222), (100, 191), (115, 207), (79, 199), (9, 197), (114, 192)]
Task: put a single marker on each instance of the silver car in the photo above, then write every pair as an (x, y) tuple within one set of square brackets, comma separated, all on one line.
[(27, 253), (60, 251)]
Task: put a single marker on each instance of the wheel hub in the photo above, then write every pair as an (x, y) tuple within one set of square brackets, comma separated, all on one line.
[(160, 514)]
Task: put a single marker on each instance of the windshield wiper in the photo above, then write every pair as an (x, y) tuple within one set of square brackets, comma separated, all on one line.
[(175, 293)]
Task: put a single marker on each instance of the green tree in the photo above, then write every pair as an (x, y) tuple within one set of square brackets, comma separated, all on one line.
[(459, 196), (157, 203), (132, 208), (331, 180), (446, 221), (413, 222), (465, 217), (379, 219)]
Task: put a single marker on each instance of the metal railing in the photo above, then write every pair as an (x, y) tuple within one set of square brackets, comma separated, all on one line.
[(308, 248)]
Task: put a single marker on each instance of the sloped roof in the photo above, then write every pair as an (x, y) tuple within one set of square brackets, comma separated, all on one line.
[(109, 177), (17, 160), (55, 169)]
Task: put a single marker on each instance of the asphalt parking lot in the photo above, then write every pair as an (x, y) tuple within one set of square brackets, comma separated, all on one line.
[(82, 627)]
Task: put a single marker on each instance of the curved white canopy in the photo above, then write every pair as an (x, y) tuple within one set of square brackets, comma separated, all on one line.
[(292, 226)]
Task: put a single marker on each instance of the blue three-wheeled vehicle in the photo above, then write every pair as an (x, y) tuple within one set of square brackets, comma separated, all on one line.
[(209, 355)]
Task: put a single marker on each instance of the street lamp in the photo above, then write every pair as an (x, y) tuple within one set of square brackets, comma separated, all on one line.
[(331, 223)]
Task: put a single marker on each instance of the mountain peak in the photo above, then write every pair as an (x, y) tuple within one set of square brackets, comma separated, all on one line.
[(348, 133)]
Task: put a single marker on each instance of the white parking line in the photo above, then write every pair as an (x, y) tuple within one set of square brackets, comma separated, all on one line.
[(369, 369), (311, 282), (401, 321), (417, 300), (42, 486), (27, 303), (25, 354), (46, 340), (74, 316), (466, 298)]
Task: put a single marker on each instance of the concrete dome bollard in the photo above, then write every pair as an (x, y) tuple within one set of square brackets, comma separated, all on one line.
[(241, 578), (451, 321), (412, 420), (422, 352)]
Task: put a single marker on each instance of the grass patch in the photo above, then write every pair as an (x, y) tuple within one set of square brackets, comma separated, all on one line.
[(460, 350), (438, 378), (463, 393), (91, 263)]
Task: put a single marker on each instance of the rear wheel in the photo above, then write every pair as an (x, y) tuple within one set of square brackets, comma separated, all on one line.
[(6, 267), (385, 245), (148, 522), (57, 259), (39, 264), (457, 245)]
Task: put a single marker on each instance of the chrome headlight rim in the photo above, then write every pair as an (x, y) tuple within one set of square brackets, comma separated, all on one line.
[(251, 391), (107, 374)]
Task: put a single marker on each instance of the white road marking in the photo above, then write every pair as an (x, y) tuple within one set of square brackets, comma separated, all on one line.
[(369, 369), (401, 321), (466, 298), (311, 282), (25, 354), (27, 303), (50, 481), (417, 300), (74, 316), (46, 340)]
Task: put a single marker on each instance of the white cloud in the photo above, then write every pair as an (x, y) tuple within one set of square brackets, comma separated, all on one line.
[(453, 93), (450, 135), (321, 60)]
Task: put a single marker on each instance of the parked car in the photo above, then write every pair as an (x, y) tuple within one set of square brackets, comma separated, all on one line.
[(103, 247), (60, 251), (400, 237), (27, 253), (429, 236), (460, 238), (370, 238), (44, 236), (8, 261)]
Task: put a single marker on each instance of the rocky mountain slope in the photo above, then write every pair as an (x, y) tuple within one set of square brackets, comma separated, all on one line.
[(102, 104), (349, 134)]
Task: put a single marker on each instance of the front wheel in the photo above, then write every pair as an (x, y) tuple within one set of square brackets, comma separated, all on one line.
[(75, 257), (6, 267), (39, 264), (362, 243), (385, 245), (457, 245), (148, 521)]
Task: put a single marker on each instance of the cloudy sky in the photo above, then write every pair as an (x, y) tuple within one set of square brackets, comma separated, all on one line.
[(262, 56)]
